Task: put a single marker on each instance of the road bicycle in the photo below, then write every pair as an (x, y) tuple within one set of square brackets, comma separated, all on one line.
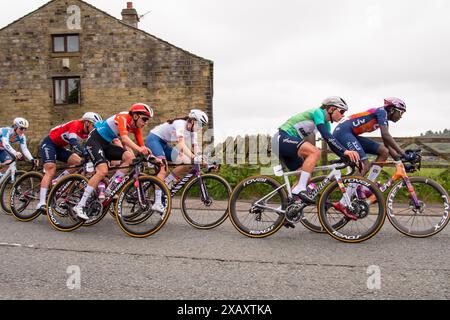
[(7, 181), (134, 214), (416, 206), (204, 198), (24, 194), (259, 206)]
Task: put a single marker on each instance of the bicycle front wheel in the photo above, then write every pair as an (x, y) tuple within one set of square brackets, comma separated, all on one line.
[(255, 204), (365, 217), (24, 197), (63, 197), (424, 218), (135, 213), (5, 190), (206, 208)]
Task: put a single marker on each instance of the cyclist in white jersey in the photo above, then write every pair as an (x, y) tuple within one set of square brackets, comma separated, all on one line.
[(180, 131)]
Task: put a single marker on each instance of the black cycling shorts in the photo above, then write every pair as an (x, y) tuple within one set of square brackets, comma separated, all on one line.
[(50, 152), (101, 151), (286, 148)]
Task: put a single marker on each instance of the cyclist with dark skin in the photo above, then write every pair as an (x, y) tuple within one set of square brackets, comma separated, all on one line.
[(349, 132)]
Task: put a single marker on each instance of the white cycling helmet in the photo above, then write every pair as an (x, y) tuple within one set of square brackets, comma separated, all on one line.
[(21, 123), (199, 116), (337, 102), (92, 117)]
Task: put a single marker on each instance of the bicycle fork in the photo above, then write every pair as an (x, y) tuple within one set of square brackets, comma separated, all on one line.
[(343, 189)]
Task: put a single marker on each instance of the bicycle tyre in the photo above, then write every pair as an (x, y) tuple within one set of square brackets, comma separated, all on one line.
[(348, 234), (126, 221), (5, 190), (19, 202), (436, 226), (237, 221), (188, 213), (53, 215)]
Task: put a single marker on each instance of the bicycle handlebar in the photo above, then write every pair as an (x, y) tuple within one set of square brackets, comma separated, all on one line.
[(345, 162)]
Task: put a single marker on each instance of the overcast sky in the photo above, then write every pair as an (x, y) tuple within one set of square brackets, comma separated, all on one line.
[(274, 59)]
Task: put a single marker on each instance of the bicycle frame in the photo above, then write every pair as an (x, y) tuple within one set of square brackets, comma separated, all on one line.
[(335, 173), (10, 172), (400, 173), (194, 172), (134, 174)]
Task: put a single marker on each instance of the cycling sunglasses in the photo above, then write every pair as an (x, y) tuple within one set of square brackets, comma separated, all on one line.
[(23, 129), (145, 119)]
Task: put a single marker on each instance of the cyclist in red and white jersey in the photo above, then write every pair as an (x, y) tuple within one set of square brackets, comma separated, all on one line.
[(54, 148)]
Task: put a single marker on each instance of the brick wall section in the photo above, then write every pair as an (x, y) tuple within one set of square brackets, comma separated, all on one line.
[(118, 65)]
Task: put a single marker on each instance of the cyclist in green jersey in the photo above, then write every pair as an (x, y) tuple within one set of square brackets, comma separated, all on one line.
[(298, 154)]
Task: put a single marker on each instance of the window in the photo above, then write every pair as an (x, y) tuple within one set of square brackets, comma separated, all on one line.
[(66, 91), (66, 43)]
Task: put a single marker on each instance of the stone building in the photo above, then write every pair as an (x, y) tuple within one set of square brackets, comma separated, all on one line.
[(69, 57)]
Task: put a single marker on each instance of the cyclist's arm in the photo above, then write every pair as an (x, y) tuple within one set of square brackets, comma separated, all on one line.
[(127, 142), (117, 142), (196, 147), (73, 138), (332, 142), (389, 141), (183, 148), (7, 146), (25, 151), (394, 154)]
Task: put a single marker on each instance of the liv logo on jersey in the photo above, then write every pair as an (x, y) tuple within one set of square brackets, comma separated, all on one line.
[(359, 122)]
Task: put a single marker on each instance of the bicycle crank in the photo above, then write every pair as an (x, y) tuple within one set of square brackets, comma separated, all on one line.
[(294, 213)]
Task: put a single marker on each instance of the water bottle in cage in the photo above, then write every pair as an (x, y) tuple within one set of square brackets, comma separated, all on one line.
[(101, 190), (114, 183)]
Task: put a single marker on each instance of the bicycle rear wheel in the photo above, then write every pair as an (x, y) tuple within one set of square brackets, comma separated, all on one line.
[(24, 196), (63, 197), (5, 190), (135, 215), (252, 206), (365, 218), (425, 220), (206, 213)]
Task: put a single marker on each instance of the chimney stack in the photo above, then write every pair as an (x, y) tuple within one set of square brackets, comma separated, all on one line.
[(130, 16)]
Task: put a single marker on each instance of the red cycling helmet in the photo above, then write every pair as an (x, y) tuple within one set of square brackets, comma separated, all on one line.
[(395, 103), (142, 108)]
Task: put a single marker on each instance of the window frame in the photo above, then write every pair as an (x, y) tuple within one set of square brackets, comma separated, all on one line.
[(67, 93), (66, 44)]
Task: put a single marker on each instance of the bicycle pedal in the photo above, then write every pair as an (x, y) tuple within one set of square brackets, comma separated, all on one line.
[(288, 225)]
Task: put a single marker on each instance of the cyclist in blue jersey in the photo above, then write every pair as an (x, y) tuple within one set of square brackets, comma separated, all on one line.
[(109, 141), (299, 154), (349, 132)]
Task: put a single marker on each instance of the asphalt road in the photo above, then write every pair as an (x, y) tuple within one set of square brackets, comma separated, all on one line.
[(180, 262)]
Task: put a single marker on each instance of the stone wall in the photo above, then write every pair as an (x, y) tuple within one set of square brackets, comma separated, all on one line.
[(118, 66)]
